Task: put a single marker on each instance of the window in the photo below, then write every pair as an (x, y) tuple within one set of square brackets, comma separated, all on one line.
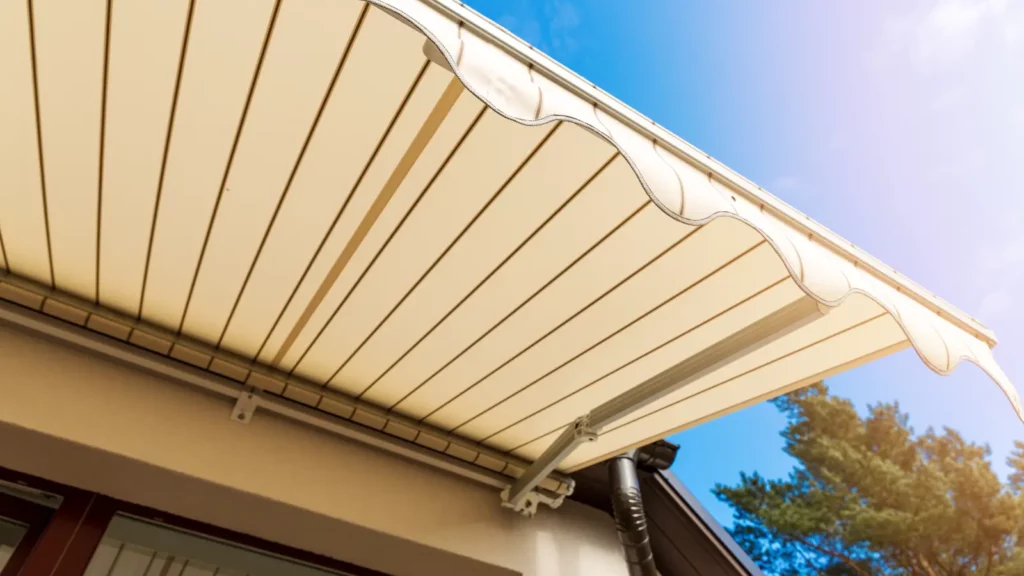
[(24, 514), (11, 533), (51, 529), (138, 547)]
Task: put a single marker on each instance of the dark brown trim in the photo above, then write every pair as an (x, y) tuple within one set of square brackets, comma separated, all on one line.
[(49, 552), (22, 510), (685, 538), (25, 547), (691, 506), (33, 482), (35, 516), (66, 545), (83, 544)]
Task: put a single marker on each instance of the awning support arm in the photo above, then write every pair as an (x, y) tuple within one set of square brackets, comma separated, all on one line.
[(588, 427)]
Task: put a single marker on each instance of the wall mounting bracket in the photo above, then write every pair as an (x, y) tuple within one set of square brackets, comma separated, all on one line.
[(245, 406), (587, 428)]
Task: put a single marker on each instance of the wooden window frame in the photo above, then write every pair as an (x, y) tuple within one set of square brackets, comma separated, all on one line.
[(65, 544), (35, 516)]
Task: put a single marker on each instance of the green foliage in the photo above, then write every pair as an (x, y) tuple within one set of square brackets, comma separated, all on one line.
[(870, 497)]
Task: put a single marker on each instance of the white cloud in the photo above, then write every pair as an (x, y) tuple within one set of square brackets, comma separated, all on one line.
[(946, 101), (1007, 258), (550, 27), (995, 304), (563, 20), (947, 33), (563, 15), (1001, 266), (950, 32), (786, 183), (525, 27), (1017, 116)]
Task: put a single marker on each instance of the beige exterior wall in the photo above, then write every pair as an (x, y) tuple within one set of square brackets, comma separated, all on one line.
[(74, 417)]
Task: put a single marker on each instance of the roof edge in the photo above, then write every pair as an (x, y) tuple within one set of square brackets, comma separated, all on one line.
[(692, 506)]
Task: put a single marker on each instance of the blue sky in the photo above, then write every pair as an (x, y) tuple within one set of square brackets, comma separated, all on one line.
[(900, 125)]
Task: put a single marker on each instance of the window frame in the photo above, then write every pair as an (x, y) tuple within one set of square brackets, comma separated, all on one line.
[(66, 543)]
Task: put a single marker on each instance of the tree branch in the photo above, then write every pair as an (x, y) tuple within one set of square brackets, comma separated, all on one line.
[(844, 559), (906, 560), (810, 562), (926, 565)]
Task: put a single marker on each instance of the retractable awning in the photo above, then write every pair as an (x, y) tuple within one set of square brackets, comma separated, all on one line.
[(399, 213)]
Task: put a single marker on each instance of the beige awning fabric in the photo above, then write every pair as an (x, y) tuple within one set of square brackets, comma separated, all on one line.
[(398, 205)]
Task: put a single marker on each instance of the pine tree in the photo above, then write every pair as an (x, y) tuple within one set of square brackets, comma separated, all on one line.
[(871, 497)]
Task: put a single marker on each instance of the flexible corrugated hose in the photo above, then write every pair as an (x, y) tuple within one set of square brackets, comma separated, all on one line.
[(630, 521)]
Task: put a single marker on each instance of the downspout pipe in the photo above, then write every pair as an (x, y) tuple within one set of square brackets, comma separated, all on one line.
[(628, 509)]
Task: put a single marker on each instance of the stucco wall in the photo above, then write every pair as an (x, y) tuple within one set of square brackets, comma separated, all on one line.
[(83, 420)]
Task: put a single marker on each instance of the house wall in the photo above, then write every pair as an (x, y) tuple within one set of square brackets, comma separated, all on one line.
[(77, 418)]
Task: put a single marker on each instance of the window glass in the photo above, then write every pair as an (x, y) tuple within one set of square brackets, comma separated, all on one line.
[(11, 533), (24, 512), (134, 547)]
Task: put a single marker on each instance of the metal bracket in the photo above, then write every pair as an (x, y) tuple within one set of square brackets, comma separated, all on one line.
[(723, 352), (582, 431), (245, 406), (527, 506), (519, 495)]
